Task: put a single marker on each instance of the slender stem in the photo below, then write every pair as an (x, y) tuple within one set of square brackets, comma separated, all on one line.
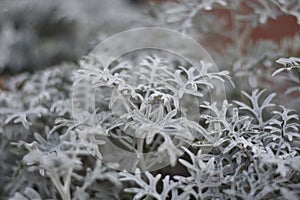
[(69, 175), (65, 195), (140, 146)]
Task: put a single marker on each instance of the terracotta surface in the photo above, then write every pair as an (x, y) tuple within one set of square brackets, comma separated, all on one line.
[(283, 26)]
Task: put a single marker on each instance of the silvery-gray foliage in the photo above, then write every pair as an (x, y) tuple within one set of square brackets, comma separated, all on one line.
[(143, 101), (148, 188), (29, 193), (288, 64), (184, 12), (35, 35), (245, 147), (248, 161), (291, 66)]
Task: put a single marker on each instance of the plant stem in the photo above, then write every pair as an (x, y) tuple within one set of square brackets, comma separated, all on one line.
[(140, 146)]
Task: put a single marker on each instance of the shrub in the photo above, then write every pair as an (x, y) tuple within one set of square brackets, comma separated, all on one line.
[(243, 147)]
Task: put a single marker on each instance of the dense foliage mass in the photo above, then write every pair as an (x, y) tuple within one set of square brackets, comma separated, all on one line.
[(246, 146)]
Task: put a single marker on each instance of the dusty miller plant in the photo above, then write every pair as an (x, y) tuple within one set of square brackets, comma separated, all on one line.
[(245, 147)]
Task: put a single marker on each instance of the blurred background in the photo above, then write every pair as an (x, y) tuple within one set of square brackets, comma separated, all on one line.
[(36, 34)]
